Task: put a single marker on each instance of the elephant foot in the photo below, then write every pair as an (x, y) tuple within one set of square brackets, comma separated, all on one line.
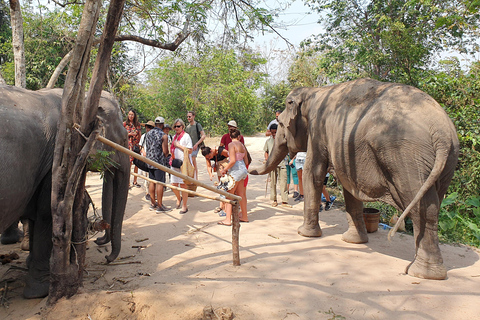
[(11, 237), (353, 236), (102, 240), (426, 270), (310, 232), (35, 288)]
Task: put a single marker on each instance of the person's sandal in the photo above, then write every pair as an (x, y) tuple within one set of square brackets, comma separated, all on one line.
[(217, 210), (274, 204)]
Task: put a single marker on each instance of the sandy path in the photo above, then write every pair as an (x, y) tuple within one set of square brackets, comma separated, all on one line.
[(188, 265)]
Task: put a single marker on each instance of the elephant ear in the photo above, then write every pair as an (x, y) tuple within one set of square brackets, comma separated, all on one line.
[(288, 118)]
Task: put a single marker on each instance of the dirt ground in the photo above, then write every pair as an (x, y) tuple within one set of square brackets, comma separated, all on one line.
[(186, 265)]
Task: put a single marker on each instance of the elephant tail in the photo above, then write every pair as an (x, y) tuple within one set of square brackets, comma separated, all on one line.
[(440, 162)]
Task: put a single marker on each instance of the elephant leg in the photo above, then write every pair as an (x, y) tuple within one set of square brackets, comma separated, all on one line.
[(38, 278), (118, 202), (11, 235), (357, 231), (107, 202), (428, 262), (312, 193)]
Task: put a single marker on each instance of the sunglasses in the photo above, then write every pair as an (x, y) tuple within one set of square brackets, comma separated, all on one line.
[(177, 126), (189, 117)]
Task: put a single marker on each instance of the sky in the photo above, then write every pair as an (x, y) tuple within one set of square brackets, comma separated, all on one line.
[(300, 23)]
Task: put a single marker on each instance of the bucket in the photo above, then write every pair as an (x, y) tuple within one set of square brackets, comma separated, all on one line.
[(191, 187), (371, 216)]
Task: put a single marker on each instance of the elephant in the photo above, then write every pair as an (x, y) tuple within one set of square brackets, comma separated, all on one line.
[(384, 142), (27, 141)]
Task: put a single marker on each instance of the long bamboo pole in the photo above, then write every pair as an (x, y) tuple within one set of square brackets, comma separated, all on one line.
[(232, 202), (166, 169), (234, 199)]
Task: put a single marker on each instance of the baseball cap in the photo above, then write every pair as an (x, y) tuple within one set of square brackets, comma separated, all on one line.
[(167, 126), (150, 123), (159, 120), (232, 123)]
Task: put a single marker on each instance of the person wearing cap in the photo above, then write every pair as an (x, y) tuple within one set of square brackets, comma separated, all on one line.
[(156, 144), (195, 130), (225, 141), (148, 126), (274, 121)]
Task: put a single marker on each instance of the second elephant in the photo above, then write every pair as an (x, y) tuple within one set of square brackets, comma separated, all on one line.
[(385, 141)]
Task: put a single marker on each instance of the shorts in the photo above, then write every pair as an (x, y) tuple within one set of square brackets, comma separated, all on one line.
[(157, 175), (195, 152), (238, 171), (300, 160)]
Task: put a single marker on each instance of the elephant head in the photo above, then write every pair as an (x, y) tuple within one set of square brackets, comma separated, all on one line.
[(291, 132)]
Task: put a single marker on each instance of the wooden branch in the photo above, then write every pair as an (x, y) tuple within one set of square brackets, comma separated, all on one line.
[(182, 189), (155, 43), (166, 169)]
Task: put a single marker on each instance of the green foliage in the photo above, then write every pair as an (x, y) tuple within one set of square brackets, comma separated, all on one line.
[(459, 94), (219, 85), (459, 221), (100, 161), (273, 99)]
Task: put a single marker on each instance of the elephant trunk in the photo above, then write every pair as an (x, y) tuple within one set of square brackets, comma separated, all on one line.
[(120, 194), (279, 152)]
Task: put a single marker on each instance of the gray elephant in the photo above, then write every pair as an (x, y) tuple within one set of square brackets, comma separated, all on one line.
[(27, 141), (385, 141)]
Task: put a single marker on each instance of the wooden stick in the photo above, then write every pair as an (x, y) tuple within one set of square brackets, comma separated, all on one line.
[(186, 190), (235, 234), (166, 169)]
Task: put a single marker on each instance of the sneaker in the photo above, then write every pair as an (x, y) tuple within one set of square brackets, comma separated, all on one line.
[(321, 208), (295, 194), (147, 196), (165, 208), (329, 204), (153, 207), (222, 213), (299, 198), (162, 208)]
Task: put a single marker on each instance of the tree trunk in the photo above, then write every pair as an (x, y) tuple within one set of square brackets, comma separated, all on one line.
[(17, 43), (71, 151), (68, 168)]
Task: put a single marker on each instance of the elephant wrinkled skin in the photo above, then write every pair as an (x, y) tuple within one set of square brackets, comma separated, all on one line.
[(385, 141), (27, 141)]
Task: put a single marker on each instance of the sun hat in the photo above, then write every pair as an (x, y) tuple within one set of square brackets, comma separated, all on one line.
[(150, 123), (232, 123)]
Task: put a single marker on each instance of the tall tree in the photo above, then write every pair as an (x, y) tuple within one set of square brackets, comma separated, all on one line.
[(17, 43), (392, 40)]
